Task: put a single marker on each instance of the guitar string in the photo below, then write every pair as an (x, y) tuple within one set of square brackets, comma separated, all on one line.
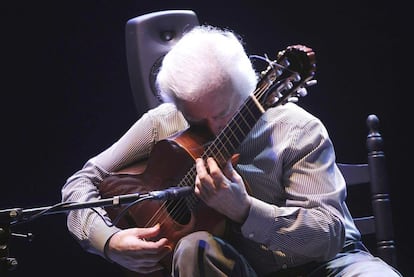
[(178, 209)]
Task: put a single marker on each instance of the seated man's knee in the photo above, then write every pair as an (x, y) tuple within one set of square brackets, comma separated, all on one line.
[(190, 244)]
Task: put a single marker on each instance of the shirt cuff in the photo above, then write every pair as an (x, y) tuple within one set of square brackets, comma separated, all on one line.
[(99, 236), (262, 219), (260, 216)]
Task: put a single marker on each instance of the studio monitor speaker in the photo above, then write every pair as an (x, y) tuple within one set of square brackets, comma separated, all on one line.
[(148, 38)]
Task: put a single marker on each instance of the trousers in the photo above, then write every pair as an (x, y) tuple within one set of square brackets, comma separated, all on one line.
[(202, 255)]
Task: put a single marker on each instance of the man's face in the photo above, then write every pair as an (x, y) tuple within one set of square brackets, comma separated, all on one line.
[(214, 109)]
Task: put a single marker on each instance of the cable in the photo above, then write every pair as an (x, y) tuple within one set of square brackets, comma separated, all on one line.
[(116, 220)]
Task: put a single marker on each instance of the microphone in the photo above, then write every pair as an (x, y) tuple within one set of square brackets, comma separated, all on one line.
[(171, 193)]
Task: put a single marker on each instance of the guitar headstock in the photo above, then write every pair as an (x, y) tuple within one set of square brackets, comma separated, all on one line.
[(287, 78)]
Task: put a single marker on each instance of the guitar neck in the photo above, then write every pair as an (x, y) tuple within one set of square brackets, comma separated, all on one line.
[(223, 147)]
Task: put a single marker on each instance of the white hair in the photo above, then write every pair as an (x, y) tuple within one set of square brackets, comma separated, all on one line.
[(202, 60)]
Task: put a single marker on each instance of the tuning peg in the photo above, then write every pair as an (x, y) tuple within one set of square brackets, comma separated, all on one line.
[(311, 83), (299, 93), (302, 92), (293, 99)]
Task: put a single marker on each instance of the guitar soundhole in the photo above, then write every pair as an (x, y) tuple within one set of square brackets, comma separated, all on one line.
[(179, 211)]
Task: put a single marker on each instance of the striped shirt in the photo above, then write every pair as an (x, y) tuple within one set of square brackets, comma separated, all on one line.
[(298, 213)]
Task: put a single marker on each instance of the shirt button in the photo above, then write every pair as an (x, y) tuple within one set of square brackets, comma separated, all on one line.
[(251, 235), (284, 266)]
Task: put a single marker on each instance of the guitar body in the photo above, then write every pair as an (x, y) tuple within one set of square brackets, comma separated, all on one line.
[(168, 163)]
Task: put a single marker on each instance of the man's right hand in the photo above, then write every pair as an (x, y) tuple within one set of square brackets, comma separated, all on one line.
[(133, 249)]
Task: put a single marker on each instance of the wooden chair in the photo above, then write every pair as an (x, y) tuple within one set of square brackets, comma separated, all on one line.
[(377, 225)]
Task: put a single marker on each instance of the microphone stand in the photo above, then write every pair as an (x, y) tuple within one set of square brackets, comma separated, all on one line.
[(10, 217)]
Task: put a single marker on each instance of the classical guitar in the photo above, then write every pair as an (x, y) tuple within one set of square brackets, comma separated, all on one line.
[(171, 162)]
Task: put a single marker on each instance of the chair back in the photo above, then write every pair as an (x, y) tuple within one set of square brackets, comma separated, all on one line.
[(373, 175)]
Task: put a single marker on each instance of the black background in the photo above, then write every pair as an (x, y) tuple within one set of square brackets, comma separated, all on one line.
[(65, 97)]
